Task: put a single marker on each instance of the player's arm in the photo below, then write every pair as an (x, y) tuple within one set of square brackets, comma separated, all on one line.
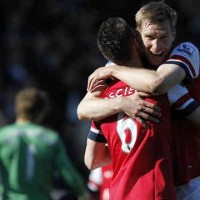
[(149, 81), (93, 107), (183, 63), (96, 154), (68, 171), (96, 108)]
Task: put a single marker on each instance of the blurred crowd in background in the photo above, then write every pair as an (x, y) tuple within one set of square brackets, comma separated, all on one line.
[(51, 44)]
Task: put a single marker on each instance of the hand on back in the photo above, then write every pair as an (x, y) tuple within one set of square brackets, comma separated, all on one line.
[(136, 107)]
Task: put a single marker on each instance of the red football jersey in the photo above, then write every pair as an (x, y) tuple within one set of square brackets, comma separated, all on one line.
[(186, 139), (186, 136), (141, 157)]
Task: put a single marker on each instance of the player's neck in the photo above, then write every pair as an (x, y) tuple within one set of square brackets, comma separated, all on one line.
[(135, 61), (22, 120)]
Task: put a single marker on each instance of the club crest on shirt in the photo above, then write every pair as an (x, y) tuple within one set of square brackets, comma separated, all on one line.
[(186, 49)]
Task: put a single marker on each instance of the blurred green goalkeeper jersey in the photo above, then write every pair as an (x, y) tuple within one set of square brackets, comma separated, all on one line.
[(29, 155)]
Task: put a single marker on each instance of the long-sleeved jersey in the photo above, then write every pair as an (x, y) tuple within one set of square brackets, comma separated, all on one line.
[(29, 156)]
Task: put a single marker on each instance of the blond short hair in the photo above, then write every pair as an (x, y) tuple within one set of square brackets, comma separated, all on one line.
[(156, 12)]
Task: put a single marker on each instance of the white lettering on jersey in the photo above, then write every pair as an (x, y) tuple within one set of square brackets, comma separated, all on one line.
[(121, 92)]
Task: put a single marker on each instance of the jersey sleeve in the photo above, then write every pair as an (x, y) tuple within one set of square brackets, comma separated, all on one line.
[(95, 133), (69, 173), (186, 55), (181, 101)]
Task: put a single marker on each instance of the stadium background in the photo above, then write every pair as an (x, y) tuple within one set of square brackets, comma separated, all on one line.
[(51, 44)]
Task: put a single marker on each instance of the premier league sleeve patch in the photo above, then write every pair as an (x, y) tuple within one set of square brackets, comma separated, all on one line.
[(186, 55), (186, 49)]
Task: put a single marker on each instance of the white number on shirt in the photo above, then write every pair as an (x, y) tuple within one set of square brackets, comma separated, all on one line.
[(125, 127), (30, 161)]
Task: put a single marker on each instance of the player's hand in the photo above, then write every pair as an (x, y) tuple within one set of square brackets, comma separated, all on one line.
[(136, 107), (99, 86), (102, 73)]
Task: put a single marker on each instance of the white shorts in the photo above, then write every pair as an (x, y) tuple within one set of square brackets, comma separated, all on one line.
[(189, 191)]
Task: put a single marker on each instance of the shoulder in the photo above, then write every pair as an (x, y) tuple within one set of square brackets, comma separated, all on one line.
[(48, 130), (46, 134), (186, 48), (186, 55), (8, 132), (8, 128)]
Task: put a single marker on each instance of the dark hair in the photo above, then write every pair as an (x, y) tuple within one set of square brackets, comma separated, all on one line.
[(115, 40), (31, 104)]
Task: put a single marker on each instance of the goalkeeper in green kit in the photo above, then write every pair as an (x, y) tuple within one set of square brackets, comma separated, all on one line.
[(31, 153)]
